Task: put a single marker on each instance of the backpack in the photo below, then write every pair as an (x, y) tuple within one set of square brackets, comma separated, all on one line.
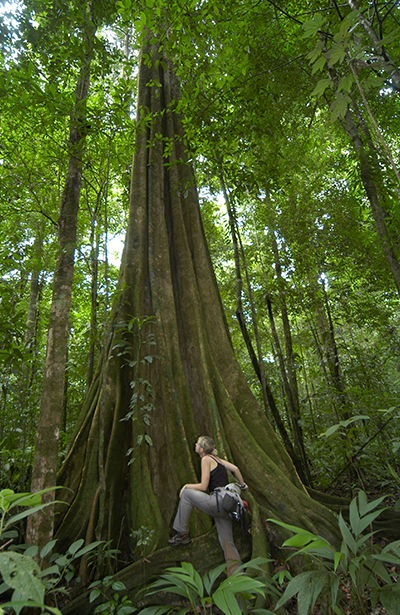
[(232, 503)]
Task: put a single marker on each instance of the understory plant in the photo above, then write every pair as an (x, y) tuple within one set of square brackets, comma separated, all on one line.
[(114, 604), (19, 568), (357, 573), (199, 590)]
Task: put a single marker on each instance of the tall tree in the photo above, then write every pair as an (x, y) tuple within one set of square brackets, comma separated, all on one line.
[(171, 373), (40, 528)]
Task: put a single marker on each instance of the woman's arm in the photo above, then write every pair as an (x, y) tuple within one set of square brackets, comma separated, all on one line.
[(205, 477), (235, 471)]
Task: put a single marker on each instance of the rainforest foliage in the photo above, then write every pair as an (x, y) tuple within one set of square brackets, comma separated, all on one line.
[(291, 118)]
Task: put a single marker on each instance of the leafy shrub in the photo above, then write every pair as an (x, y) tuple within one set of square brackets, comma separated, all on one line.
[(358, 561), (185, 581), (20, 572)]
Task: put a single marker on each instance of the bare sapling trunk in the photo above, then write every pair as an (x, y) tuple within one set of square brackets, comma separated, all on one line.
[(40, 526)]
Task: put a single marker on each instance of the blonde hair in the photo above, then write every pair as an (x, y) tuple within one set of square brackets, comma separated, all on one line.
[(208, 445)]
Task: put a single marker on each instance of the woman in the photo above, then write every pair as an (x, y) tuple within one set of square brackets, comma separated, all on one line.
[(214, 473)]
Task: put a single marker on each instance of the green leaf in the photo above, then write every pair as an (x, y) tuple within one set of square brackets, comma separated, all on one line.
[(47, 548), (21, 573), (256, 563), (347, 537), (322, 85), (295, 585), (330, 431), (95, 593), (126, 610), (243, 583), (388, 558), (380, 570), (392, 36), (90, 547), (27, 513), (337, 53), (5, 499), (339, 107), (226, 602), (31, 551), (390, 599), (72, 549), (313, 55), (348, 22), (210, 578), (338, 557), (368, 519), (312, 26), (354, 517), (366, 507), (51, 570), (373, 82), (301, 539), (345, 83), (319, 64), (304, 598)]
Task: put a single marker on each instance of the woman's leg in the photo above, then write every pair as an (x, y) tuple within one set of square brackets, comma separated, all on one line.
[(208, 504), (225, 536), (190, 497)]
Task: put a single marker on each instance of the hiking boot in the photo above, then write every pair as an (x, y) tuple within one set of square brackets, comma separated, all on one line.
[(179, 539)]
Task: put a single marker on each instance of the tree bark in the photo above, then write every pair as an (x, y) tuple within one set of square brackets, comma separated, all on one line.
[(258, 363), (368, 177), (170, 347), (40, 526), (93, 331)]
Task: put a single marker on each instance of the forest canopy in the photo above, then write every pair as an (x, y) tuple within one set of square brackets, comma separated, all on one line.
[(282, 124)]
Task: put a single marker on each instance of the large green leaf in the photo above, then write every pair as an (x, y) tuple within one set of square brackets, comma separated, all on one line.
[(226, 601), (21, 573)]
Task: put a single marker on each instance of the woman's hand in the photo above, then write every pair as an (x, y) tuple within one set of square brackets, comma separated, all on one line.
[(181, 491)]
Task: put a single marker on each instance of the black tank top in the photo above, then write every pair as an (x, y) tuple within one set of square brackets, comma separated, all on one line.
[(218, 476)]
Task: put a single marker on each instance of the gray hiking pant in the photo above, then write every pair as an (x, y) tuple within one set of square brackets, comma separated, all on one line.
[(208, 504)]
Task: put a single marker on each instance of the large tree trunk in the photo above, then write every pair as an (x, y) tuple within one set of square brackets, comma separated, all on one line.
[(188, 383), (40, 526)]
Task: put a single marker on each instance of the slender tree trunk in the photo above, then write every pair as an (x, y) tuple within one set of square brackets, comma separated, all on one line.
[(260, 370), (319, 346), (35, 284), (291, 363), (40, 526), (32, 312), (308, 395), (299, 460), (331, 349), (93, 331), (291, 367), (368, 177)]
